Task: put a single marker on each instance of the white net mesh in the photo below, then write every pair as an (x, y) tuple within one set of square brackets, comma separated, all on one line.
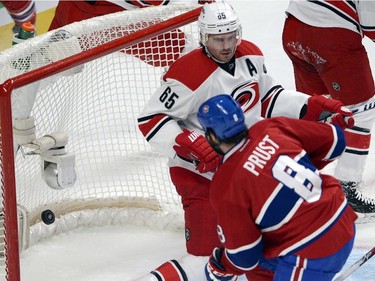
[(97, 105)]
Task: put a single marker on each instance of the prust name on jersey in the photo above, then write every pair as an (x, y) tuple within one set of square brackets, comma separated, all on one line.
[(260, 155)]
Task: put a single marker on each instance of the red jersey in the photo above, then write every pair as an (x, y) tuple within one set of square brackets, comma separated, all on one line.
[(271, 200), (159, 51), (72, 11)]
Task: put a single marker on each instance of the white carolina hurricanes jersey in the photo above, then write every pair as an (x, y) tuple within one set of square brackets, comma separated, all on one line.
[(194, 78), (356, 15)]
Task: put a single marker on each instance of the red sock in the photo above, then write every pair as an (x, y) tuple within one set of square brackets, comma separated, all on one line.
[(171, 271)]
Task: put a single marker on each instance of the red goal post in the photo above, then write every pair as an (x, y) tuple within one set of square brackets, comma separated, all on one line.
[(89, 80)]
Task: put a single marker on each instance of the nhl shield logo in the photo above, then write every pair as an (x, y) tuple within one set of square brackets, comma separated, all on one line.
[(336, 86), (187, 234)]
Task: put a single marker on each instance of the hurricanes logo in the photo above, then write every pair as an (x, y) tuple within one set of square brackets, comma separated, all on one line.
[(247, 95)]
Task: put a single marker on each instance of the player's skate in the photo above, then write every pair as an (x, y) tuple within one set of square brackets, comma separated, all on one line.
[(359, 202)]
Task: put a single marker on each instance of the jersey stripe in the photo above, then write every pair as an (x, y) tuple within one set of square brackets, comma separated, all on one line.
[(150, 125), (269, 100), (334, 7)]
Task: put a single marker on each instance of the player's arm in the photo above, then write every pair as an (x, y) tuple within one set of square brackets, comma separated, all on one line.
[(327, 145), (280, 102), (165, 118), (366, 13), (158, 122), (237, 231), (322, 142), (276, 101)]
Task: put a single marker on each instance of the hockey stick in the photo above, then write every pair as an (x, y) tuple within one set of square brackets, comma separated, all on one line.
[(360, 109), (364, 107), (356, 265), (325, 115)]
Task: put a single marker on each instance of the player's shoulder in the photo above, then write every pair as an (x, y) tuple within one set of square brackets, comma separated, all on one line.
[(191, 69), (247, 48), (276, 126), (269, 122), (286, 127)]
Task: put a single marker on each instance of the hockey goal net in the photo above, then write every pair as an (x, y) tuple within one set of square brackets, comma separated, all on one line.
[(89, 80)]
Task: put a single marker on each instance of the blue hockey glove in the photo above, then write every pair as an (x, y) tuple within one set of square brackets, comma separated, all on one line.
[(215, 271)]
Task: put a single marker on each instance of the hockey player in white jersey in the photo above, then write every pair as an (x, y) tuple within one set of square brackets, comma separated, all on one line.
[(323, 39), (223, 64)]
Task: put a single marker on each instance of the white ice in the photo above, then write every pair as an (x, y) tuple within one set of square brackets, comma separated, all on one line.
[(114, 253)]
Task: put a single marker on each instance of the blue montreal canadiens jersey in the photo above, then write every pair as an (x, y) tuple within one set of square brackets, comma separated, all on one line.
[(271, 199)]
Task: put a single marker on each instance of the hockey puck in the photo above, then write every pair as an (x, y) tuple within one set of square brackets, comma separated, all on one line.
[(48, 217)]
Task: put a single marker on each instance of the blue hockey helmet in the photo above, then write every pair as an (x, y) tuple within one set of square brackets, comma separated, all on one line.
[(223, 115)]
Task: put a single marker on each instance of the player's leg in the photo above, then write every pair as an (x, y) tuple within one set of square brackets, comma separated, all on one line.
[(200, 221), (341, 61), (200, 229), (348, 77), (187, 268), (68, 12), (295, 44), (20, 11), (264, 271)]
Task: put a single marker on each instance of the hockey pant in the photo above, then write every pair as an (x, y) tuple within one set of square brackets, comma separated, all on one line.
[(333, 61), (293, 267), (200, 221), (68, 12), (328, 61)]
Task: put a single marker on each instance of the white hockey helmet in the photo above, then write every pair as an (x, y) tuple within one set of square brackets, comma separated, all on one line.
[(218, 18)]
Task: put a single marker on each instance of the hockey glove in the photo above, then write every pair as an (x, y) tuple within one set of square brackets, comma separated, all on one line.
[(321, 108), (193, 146), (215, 271)]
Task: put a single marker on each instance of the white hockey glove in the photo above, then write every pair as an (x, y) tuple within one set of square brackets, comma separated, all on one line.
[(214, 269), (24, 130)]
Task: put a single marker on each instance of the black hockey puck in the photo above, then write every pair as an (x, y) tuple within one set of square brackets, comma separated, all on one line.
[(48, 217)]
